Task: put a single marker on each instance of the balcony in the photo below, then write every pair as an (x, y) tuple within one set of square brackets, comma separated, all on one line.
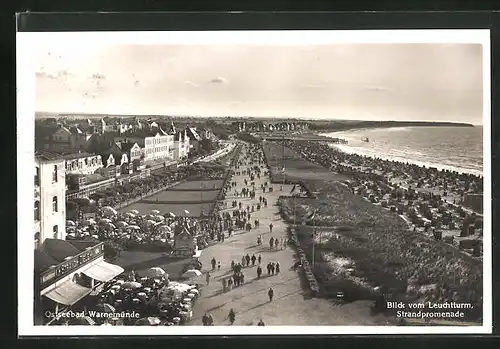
[(37, 192)]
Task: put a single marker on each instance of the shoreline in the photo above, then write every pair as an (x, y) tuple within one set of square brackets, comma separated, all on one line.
[(341, 147)]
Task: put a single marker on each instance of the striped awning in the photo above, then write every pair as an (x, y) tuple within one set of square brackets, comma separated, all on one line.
[(68, 293), (103, 271)]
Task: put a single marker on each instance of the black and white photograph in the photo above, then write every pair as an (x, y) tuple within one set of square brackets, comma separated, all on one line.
[(255, 182)]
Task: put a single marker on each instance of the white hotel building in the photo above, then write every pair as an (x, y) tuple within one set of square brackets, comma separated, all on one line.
[(50, 191)]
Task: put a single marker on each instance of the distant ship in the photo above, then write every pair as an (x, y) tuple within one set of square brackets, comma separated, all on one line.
[(365, 140)]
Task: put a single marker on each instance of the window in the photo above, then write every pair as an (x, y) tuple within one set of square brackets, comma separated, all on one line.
[(55, 231), (37, 240), (54, 174), (37, 175), (37, 210), (54, 204)]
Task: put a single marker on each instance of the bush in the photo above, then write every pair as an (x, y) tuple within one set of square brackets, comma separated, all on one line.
[(112, 250)]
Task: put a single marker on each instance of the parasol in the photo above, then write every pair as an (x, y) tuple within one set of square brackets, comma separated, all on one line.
[(154, 212), (89, 221), (134, 212), (109, 210), (131, 285), (155, 272), (70, 223), (192, 273)]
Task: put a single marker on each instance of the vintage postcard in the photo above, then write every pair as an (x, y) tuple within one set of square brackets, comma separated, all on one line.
[(254, 182)]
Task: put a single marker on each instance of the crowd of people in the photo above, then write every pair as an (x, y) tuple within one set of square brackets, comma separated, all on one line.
[(131, 299), (451, 182)]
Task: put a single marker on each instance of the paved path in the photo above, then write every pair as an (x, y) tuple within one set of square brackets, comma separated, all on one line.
[(291, 304)]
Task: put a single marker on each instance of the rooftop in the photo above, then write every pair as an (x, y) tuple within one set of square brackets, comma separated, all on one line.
[(44, 155), (54, 251), (77, 156)]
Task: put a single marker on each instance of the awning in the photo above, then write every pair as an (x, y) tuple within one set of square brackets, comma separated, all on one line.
[(103, 271), (68, 293)]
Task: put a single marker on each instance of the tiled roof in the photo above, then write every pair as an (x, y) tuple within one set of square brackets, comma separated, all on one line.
[(77, 156), (193, 134), (47, 155), (139, 134), (127, 146), (43, 261), (58, 249)]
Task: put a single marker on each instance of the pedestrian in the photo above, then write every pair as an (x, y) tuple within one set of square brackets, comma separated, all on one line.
[(276, 244), (253, 259), (259, 259), (232, 265), (231, 316), (285, 242), (243, 260), (247, 258), (270, 293), (224, 285), (235, 279), (261, 323), (218, 266), (204, 319), (210, 320), (213, 263), (272, 268), (271, 242), (268, 268), (208, 278), (277, 267), (270, 228), (259, 272), (242, 278), (229, 283)]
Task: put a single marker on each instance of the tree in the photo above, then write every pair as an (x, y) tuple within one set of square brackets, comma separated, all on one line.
[(207, 145), (71, 209), (112, 250)]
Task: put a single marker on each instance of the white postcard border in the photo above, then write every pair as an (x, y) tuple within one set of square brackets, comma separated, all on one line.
[(27, 44)]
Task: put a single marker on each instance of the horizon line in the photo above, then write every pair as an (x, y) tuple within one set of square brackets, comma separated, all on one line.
[(251, 117)]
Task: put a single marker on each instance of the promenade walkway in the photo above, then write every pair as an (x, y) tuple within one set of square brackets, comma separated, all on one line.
[(291, 305)]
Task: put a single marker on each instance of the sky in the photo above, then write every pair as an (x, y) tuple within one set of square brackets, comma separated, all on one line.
[(428, 82)]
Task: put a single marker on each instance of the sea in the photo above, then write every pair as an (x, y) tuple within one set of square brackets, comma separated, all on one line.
[(446, 148)]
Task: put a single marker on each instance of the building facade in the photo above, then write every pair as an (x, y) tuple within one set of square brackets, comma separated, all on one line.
[(156, 145), (181, 145), (82, 163), (50, 198)]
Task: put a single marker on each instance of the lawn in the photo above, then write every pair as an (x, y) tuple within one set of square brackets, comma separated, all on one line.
[(296, 168), (196, 185)]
